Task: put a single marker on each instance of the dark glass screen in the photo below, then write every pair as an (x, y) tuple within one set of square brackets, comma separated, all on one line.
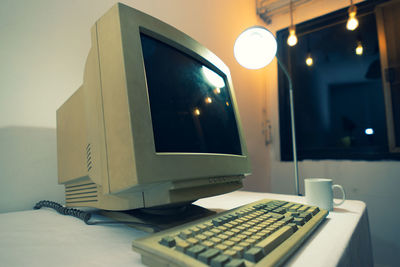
[(191, 108)]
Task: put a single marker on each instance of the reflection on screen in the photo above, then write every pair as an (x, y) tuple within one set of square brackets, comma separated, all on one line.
[(190, 104)]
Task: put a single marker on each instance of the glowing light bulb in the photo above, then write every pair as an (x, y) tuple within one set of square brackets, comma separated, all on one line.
[(369, 131), (227, 103), (196, 112), (352, 22), (359, 49), (255, 47), (217, 90), (309, 60), (292, 39), (208, 100)]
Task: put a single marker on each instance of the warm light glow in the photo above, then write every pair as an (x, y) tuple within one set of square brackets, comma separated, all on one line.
[(196, 111), (359, 49), (352, 22), (213, 78), (217, 90), (309, 60), (369, 131), (227, 103), (208, 100), (292, 39), (255, 47)]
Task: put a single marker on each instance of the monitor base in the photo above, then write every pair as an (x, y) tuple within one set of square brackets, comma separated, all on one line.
[(161, 217)]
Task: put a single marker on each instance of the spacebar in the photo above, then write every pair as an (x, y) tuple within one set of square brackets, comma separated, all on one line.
[(275, 239)]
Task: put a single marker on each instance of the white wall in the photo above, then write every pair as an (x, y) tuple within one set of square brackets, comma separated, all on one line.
[(377, 183), (43, 48)]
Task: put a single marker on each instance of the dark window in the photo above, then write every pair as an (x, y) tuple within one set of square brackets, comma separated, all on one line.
[(339, 102)]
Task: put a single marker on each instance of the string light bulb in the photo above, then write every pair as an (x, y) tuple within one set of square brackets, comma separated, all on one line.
[(292, 39), (309, 60), (359, 48), (352, 22)]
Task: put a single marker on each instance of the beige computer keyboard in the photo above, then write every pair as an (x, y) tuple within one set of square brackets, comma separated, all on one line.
[(263, 233)]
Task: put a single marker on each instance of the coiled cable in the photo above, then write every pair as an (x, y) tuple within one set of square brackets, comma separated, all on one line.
[(85, 216)]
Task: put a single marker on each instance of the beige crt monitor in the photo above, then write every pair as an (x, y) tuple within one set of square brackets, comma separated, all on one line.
[(154, 123)]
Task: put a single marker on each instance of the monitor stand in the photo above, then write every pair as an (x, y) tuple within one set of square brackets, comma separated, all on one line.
[(160, 218)]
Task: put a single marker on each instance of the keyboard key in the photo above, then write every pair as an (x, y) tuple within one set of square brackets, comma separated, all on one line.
[(208, 243), (217, 222), (294, 214), (182, 246), (303, 208), (280, 211), (228, 225), (275, 239), (299, 221), (220, 261), (314, 210), (216, 231), (229, 233), (254, 254), (251, 240), (231, 253), (222, 228), (208, 234), (192, 241), (202, 227), (221, 247), (216, 240), (239, 250), (288, 219), (195, 230), (244, 244), (222, 236), (235, 230), (186, 234), (195, 250), (207, 255), (168, 241), (234, 223), (235, 263), (228, 243), (294, 226), (235, 239), (306, 216), (200, 237)]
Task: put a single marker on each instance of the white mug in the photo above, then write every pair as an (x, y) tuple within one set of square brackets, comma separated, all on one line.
[(319, 192)]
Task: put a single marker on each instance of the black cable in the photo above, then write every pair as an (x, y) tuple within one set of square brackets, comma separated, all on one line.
[(85, 216)]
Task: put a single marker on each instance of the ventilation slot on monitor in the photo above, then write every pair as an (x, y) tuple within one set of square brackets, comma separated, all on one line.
[(89, 157), (81, 193)]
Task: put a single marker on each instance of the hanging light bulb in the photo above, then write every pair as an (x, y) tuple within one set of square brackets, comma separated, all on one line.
[(352, 22), (309, 60), (292, 39), (359, 48)]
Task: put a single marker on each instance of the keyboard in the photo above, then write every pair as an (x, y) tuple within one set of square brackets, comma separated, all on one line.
[(263, 233)]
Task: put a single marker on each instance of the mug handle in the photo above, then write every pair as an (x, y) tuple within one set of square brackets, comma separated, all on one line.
[(343, 195)]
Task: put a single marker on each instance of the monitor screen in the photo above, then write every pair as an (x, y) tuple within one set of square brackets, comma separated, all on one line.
[(191, 108)]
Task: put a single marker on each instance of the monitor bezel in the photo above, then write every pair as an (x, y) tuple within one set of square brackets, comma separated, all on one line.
[(151, 166)]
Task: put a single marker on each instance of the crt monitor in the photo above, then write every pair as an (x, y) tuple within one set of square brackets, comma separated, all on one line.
[(155, 122)]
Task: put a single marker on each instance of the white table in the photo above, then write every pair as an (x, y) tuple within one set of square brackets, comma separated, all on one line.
[(45, 238)]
